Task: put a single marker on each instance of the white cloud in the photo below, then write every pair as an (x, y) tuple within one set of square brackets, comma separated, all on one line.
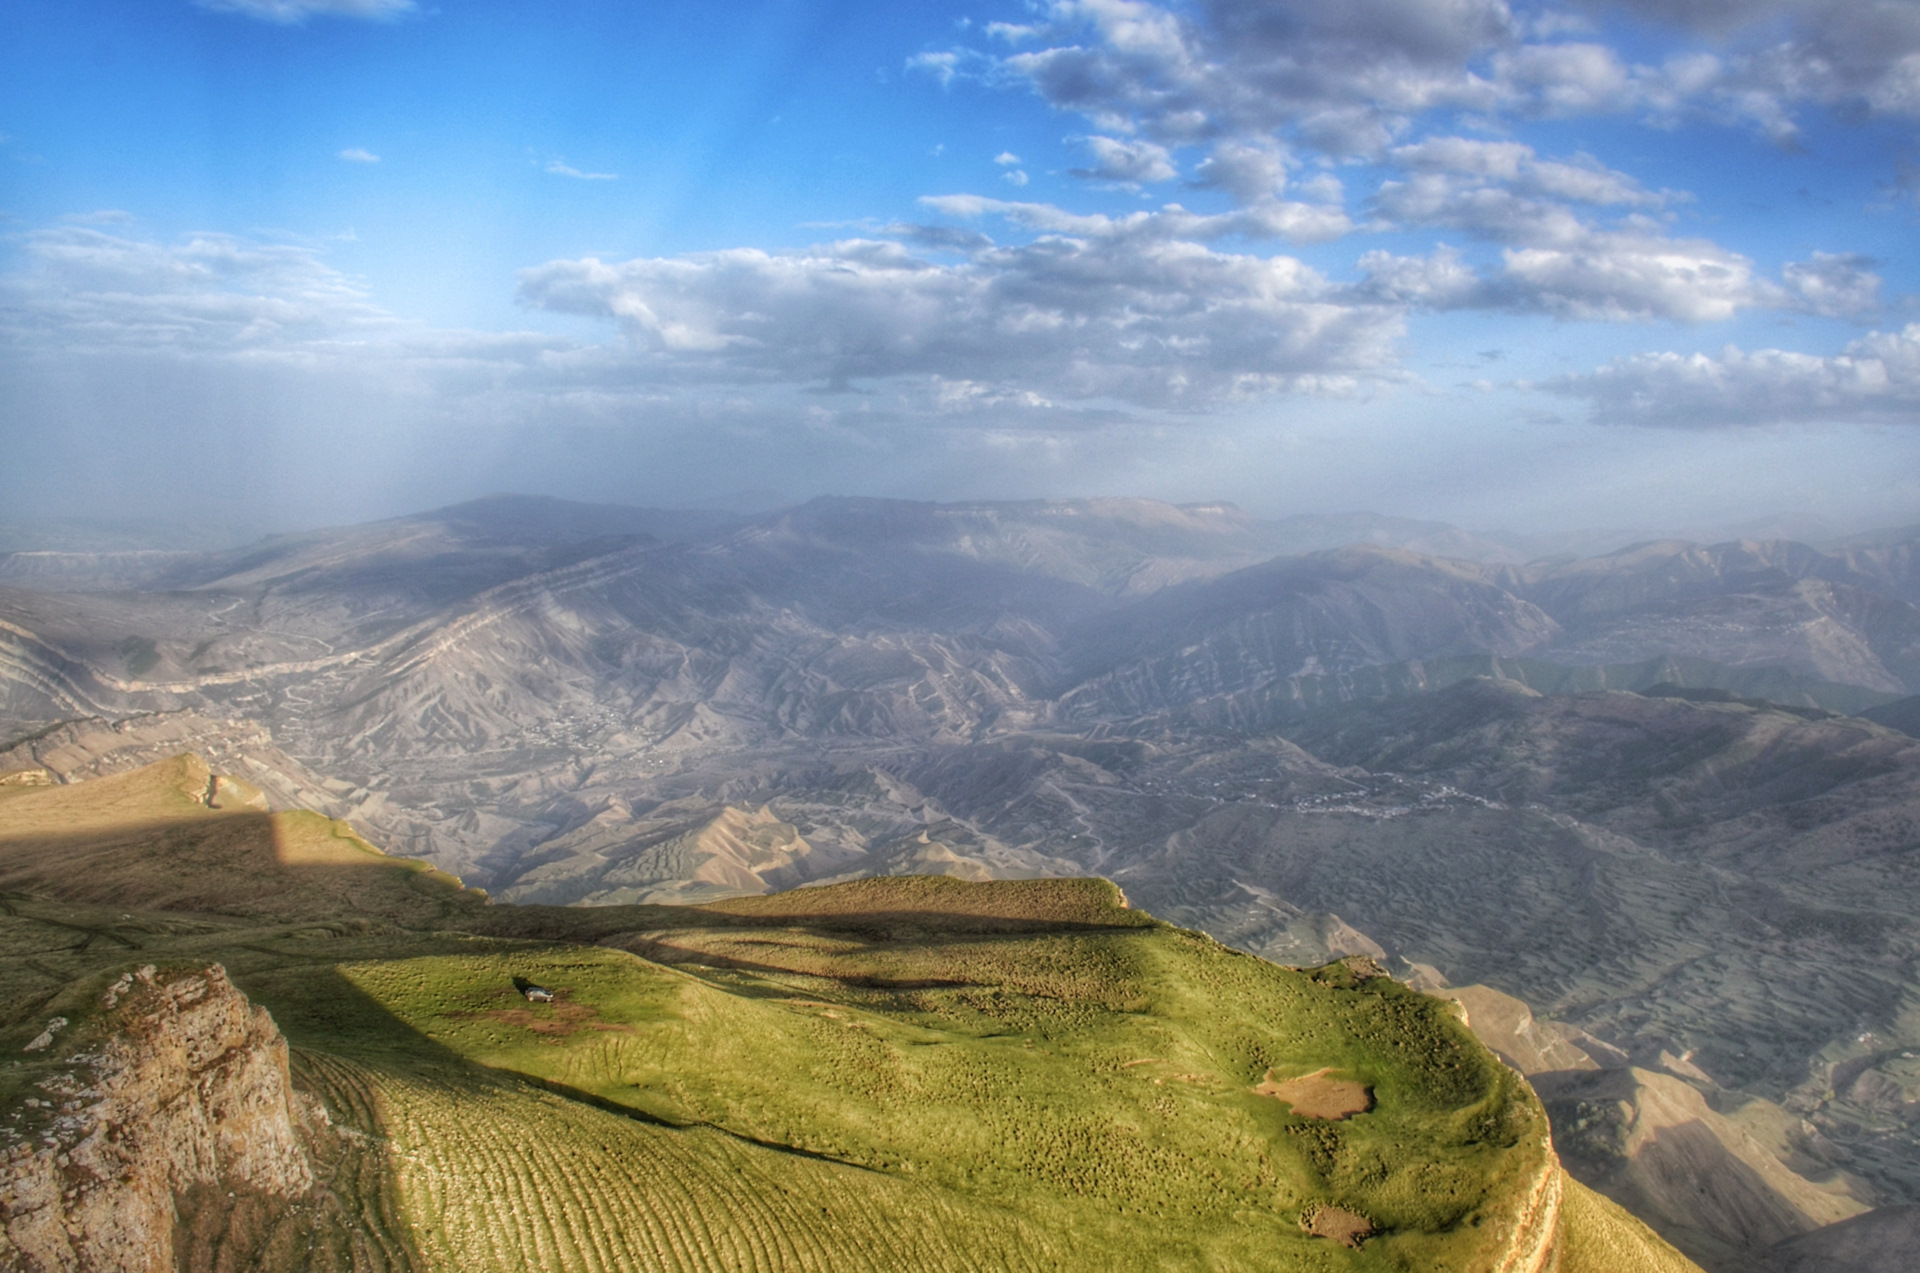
[(86, 288), (1555, 260), (1251, 171), (1111, 314), (1835, 285), (1345, 75), (356, 155), (1439, 280), (1016, 177), (560, 169), (1602, 275), (288, 12), (1353, 78), (1469, 162), (1566, 79), (1127, 163), (1274, 218), (944, 67), (1861, 54), (1876, 379), (1632, 275), (1006, 158)]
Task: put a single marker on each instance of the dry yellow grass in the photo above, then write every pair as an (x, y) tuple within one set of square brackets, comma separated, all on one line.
[(147, 840), (1598, 1236)]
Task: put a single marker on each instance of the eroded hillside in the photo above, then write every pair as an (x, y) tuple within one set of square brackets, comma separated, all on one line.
[(1036, 1074), (1624, 789)]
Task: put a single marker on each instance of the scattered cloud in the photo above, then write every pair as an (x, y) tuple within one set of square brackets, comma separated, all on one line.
[(1589, 274), (1126, 163), (1251, 171), (560, 169), (1135, 317), (1274, 219), (290, 12), (1835, 285), (1015, 177), (1006, 158), (1355, 78), (86, 288), (1467, 163), (357, 155), (1876, 379), (944, 66)]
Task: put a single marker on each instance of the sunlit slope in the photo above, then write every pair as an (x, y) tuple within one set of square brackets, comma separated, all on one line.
[(492, 1175), (156, 838), (905, 1073)]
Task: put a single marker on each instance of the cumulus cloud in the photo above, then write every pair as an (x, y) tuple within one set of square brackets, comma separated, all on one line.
[(1566, 79), (1346, 75), (1605, 275), (1631, 275), (1127, 163), (1272, 219), (1353, 78), (288, 12), (1863, 54), (1093, 310), (1104, 314), (1468, 161), (1251, 171), (1835, 285), (1875, 379)]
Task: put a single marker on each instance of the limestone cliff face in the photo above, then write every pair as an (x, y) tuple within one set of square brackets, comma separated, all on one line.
[(180, 1083)]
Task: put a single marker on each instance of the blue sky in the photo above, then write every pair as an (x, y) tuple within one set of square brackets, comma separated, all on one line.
[(1508, 264)]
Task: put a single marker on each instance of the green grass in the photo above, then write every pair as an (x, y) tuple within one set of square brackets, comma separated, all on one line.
[(907, 1073)]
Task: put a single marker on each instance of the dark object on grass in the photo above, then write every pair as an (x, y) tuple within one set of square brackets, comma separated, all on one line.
[(534, 994)]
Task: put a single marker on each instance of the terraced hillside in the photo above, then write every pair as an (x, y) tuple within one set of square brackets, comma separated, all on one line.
[(904, 1073)]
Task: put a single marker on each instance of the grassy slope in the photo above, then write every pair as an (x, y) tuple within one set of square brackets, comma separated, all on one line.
[(894, 1074)]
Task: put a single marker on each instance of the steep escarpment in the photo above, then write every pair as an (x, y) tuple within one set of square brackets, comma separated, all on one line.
[(174, 1085)]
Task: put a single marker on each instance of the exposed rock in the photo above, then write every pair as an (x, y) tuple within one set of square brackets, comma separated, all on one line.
[(183, 1084), (1509, 1027)]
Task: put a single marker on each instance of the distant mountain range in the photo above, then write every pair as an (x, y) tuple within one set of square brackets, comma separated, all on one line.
[(1665, 796)]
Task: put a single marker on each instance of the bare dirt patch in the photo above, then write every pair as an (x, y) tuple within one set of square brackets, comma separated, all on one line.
[(1317, 1095), (1337, 1224), (559, 1018)]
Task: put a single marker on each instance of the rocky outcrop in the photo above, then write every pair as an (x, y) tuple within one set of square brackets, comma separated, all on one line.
[(179, 1084)]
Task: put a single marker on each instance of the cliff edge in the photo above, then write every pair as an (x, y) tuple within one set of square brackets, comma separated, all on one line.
[(176, 1083)]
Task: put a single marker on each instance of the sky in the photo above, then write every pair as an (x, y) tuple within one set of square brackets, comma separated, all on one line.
[(1512, 265)]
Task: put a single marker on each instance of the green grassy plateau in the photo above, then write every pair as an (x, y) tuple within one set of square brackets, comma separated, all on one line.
[(892, 1074)]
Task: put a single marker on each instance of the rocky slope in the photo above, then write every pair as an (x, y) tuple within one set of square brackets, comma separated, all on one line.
[(171, 1087)]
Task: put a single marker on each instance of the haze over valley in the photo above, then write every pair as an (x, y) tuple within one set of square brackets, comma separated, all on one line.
[(1073, 634), (1658, 801)]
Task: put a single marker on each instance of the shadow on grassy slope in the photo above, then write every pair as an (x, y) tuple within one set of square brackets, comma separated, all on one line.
[(1024, 1115)]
